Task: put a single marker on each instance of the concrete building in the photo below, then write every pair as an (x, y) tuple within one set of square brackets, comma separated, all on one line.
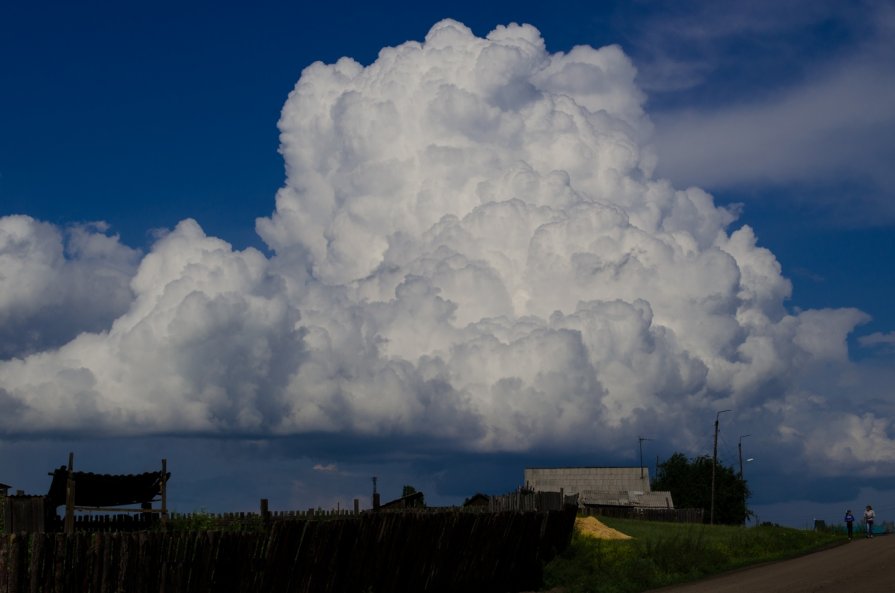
[(599, 486)]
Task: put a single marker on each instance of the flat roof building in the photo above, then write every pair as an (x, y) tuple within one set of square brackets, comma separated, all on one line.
[(602, 486)]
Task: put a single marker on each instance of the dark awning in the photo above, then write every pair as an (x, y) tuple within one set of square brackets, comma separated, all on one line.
[(106, 490)]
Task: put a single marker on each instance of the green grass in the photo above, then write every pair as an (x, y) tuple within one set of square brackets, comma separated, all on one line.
[(664, 554)]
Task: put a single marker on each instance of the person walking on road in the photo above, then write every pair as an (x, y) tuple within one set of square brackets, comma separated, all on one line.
[(849, 523), (869, 516)]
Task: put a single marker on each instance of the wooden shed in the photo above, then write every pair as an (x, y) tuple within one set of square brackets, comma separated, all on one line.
[(86, 491), (26, 513), (80, 491)]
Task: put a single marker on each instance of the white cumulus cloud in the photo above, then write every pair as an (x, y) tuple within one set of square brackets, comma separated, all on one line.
[(56, 283), (470, 248)]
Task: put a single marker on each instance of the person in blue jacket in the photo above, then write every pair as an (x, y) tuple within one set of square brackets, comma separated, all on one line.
[(849, 523)]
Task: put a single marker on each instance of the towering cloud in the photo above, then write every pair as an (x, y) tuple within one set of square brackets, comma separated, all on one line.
[(471, 249), (55, 284)]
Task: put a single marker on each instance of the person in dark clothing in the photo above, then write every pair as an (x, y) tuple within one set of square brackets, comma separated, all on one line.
[(849, 523)]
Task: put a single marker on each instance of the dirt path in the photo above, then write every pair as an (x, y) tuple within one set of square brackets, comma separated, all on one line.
[(863, 565)]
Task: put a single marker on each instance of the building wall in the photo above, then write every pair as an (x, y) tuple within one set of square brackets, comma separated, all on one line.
[(573, 480), (25, 513)]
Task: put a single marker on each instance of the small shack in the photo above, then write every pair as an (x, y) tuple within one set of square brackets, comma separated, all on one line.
[(477, 501), (86, 491), (22, 512), (414, 500), (101, 491)]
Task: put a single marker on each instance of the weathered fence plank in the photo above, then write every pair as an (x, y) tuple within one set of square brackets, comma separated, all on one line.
[(15, 570), (4, 572)]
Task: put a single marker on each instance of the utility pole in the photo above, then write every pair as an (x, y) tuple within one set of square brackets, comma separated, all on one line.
[(714, 463), (641, 439), (740, 447)]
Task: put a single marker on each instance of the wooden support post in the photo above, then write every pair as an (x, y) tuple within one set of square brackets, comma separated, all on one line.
[(265, 513), (164, 493), (69, 526), (356, 506)]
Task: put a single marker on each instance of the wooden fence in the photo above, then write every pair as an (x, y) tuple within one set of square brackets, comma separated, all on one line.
[(645, 513), (520, 501), (25, 513), (527, 500), (108, 523), (395, 552), (32, 514), (250, 518)]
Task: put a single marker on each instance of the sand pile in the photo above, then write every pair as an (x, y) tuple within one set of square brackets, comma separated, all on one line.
[(592, 527)]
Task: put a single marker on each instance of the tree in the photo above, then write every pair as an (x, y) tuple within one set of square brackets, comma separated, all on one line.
[(690, 484)]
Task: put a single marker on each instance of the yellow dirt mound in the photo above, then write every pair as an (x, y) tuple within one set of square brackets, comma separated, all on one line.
[(592, 527)]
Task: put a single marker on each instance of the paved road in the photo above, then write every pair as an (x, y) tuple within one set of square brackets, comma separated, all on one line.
[(860, 566)]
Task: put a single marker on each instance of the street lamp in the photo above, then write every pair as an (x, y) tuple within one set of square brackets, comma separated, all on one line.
[(744, 484), (740, 447), (641, 439)]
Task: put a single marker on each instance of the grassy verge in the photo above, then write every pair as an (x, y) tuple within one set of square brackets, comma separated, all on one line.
[(669, 553)]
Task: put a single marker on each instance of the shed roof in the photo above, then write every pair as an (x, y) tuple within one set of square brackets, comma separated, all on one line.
[(101, 490), (411, 500)]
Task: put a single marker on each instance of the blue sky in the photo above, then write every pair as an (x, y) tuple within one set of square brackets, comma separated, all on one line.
[(143, 115)]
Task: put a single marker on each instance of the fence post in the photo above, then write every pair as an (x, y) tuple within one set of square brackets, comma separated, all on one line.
[(70, 496), (265, 513), (164, 493)]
